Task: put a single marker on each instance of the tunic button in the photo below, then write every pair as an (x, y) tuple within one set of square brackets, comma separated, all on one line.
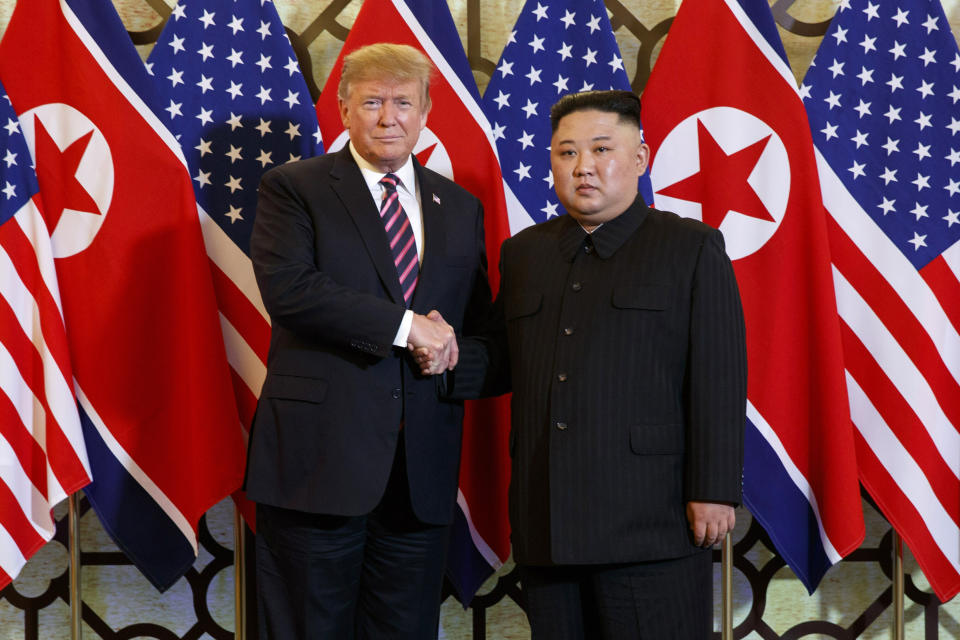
[(561, 426), (562, 377), (576, 286), (568, 331), (396, 394), (588, 248)]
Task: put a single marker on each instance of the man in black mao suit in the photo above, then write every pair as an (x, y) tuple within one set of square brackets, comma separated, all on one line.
[(353, 457), (622, 334)]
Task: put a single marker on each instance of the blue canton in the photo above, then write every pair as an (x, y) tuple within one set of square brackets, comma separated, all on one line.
[(556, 48), (18, 182), (882, 96), (236, 100)]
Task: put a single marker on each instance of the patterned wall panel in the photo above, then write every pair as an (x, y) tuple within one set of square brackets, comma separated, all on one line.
[(854, 600)]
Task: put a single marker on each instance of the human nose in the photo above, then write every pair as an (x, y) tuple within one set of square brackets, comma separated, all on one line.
[(388, 114), (584, 165)]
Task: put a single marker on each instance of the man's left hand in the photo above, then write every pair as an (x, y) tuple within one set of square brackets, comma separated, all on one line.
[(710, 522)]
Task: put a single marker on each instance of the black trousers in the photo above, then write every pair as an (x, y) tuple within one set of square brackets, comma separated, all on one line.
[(662, 600), (350, 577)]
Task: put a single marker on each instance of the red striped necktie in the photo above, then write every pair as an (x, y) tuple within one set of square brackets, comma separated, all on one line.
[(400, 235)]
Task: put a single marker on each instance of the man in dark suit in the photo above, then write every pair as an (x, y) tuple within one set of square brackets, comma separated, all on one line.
[(621, 331), (353, 457)]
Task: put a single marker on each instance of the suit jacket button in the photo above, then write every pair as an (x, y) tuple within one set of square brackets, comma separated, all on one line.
[(396, 394), (568, 331), (561, 426), (561, 377), (576, 286)]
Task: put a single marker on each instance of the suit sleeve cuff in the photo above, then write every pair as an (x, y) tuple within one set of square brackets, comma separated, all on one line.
[(400, 340)]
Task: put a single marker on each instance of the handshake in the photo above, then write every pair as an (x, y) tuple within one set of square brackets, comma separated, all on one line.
[(433, 343)]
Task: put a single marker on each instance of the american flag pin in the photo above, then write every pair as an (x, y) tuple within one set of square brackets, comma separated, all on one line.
[(436, 198)]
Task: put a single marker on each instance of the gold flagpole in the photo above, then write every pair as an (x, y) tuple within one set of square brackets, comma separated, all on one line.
[(239, 576), (726, 588), (73, 542), (898, 621)]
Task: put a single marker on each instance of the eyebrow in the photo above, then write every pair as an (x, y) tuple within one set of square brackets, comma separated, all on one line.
[(594, 139)]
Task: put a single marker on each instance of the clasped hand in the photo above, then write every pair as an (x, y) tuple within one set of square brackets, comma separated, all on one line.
[(433, 343)]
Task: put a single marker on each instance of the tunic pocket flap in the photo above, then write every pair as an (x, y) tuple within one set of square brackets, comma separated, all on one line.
[(656, 439), (284, 387), (523, 304), (653, 296)]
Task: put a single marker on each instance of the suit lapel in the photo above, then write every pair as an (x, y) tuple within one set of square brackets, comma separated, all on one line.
[(352, 190), (434, 233)]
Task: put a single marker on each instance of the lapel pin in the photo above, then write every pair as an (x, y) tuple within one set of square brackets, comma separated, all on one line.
[(436, 198)]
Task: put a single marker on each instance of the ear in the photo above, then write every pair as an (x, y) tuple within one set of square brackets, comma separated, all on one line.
[(643, 158)]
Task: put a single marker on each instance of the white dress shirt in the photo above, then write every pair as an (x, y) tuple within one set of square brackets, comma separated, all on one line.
[(408, 191)]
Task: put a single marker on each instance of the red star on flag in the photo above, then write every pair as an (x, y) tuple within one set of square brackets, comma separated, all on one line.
[(721, 184), (424, 156), (56, 171)]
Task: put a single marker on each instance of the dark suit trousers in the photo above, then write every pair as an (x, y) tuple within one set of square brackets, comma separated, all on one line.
[(342, 577), (661, 600)]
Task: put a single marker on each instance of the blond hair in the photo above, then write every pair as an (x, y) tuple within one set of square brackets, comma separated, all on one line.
[(384, 60)]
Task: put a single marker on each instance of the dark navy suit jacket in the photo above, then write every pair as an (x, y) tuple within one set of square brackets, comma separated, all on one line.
[(336, 390)]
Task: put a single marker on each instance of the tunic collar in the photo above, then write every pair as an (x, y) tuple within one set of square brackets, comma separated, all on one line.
[(606, 238)]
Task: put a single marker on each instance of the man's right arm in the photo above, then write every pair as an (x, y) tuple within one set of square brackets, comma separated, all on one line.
[(433, 343), (296, 294)]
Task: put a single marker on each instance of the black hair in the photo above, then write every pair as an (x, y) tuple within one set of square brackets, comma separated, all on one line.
[(624, 103)]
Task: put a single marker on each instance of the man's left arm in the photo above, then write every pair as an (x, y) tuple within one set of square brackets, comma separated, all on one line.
[(716, 396)]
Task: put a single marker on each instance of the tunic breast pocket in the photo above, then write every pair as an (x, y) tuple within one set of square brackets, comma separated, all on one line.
[(647, 317), (522, 305)]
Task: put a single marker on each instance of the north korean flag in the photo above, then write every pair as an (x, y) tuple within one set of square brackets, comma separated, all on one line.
[(149, 366), (732, 147)]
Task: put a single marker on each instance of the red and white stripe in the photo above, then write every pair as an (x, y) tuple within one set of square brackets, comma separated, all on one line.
[(245, 324), (902, 354), (243, 318), (42, 455)]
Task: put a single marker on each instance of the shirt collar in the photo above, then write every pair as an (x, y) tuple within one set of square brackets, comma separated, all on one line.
[(606, 238), (372, 175)]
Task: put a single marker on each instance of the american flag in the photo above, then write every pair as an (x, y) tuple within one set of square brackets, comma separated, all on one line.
[(554, 49), (236, 100), (42, 454), (882, 96)]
